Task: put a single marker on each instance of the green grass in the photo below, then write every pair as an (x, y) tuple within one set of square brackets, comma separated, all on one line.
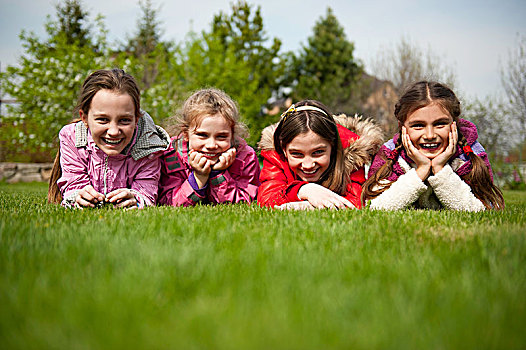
[(242, 277)]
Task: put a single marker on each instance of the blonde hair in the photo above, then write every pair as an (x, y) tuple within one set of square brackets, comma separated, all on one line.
[(209, 102)]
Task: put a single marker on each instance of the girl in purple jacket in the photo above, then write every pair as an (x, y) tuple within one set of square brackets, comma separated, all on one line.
[(208, 161), (111, 155), (435, 161)]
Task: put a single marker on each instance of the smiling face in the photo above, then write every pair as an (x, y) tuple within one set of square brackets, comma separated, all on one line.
[(308, 155), (211, 138), (428, 128), (111, 120)]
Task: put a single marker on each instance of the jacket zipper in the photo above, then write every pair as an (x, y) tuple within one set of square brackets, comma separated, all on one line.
[(105, 174)]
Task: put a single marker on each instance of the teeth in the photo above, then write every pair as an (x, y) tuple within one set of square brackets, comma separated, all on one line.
[(112, 142), (309, 172), (430, 145)]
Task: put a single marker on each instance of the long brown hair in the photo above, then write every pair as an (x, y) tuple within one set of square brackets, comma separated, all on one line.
[(114, 80), (419, 95), (336, 176)]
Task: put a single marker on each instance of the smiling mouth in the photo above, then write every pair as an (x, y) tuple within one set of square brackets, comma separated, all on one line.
[(310, 173), (112, 142), (209, 155), (430, 146)]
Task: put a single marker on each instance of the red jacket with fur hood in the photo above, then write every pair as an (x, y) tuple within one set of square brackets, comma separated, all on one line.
[(360, 138)]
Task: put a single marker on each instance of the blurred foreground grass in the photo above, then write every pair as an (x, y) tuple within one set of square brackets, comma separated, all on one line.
[(242, 277)]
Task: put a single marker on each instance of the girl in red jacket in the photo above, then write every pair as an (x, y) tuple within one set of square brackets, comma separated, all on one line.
[(314, 160)]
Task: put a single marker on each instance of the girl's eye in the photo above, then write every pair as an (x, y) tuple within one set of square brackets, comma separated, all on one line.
[(126, 120), (417, 126), (101, 120), (202, 135), (296, 154), (319, 152)]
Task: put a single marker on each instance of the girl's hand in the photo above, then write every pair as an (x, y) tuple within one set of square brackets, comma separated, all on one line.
[(122, 198), (199, 163), (88, 197), (301, 205), (202, 167), (439, 161), (423, 164), (321, 197), (225, 159)]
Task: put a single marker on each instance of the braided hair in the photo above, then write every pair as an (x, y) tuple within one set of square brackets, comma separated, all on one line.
[(419, 95)]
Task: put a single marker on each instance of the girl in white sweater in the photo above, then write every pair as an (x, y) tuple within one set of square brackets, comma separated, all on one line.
[(435, 161)]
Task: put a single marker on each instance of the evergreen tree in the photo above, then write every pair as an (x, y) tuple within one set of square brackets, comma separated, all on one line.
[(72, 23), (234, 56), (148, 33), (244, 34), (153, 62), (326, 69), (146, 49)]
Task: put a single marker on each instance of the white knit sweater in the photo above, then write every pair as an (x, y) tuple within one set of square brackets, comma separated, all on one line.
[(442, 190)]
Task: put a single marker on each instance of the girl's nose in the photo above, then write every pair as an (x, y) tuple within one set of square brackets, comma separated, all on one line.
[(430, 133), (113, 129), (308, 163), (211, 143)]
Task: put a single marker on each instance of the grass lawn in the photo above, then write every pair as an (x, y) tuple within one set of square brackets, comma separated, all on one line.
[(242, 277)]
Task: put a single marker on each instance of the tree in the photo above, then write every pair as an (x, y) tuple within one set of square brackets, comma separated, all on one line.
[(72, 21), (146, 47), (514, 82), (407, 63), (244, 34), (492, 121), (47, 82), (326, 69), (153, 62), (234, 55), (148, 33)]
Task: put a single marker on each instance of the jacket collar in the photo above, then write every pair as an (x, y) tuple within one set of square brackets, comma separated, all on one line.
[(459, 159), (358, 152), (148, 138)]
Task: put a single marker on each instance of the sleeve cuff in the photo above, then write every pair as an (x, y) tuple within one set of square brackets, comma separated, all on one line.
[(69, 200), (441, 176), (142, 201), (193, 183), (293, 189), (217, 178)]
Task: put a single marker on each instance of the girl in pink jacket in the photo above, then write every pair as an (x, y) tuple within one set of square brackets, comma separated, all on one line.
[(110, 156), (208, 161)]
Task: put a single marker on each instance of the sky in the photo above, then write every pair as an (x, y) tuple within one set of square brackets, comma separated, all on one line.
[(473, 38)]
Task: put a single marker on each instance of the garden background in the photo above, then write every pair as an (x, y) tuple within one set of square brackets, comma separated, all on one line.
[(240, 276), (235, 54)]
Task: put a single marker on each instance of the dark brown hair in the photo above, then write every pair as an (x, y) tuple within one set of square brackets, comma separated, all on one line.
[(114, 80), (419, 95), (336, 176)]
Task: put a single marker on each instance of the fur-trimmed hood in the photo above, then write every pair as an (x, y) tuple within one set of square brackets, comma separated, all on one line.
[(358, 153)]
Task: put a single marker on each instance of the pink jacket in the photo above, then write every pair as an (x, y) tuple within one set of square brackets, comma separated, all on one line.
[(137, 168), (238, 183)]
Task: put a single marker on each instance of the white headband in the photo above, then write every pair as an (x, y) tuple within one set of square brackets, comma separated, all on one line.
[(293, 109)]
